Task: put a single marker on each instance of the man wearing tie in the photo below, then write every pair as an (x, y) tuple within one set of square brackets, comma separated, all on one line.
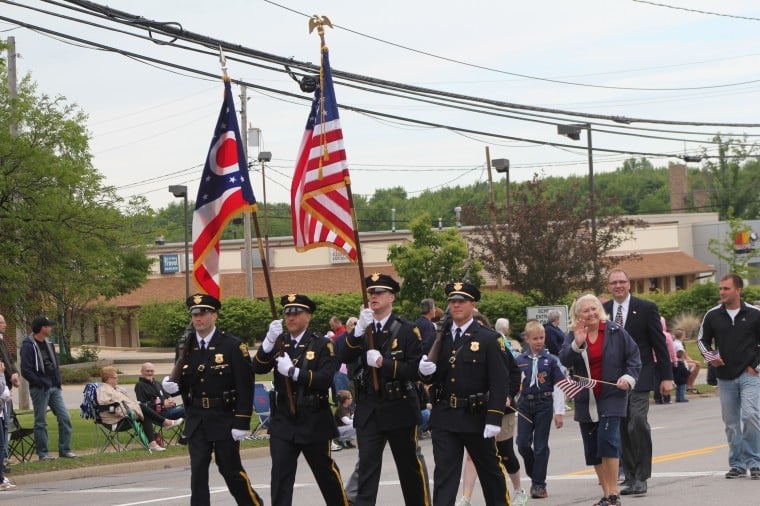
[(215, 378), (387, 407), (305, 360), (642, 321)]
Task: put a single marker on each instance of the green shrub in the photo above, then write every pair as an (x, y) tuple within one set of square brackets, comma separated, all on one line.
[(80, 374), (88, 354)]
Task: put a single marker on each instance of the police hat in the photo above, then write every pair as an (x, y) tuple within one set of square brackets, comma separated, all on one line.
[(462, 291), (202, 302), (381, 283), (295, 303), (41, 321)]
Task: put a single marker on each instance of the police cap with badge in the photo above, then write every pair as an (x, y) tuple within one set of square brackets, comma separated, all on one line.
[(295, 303), (203, 303), (461, 290), (378, 283)]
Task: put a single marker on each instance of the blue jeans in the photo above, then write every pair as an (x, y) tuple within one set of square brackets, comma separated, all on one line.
[(6, 423), (740, 406), (533, 438), (425, 413), (41, 399)]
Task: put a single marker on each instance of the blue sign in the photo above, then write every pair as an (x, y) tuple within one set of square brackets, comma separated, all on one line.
[(169, 264)]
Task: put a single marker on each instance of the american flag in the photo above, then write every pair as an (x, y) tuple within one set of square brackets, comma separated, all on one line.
[(321, 211), (572, 388), (710, 355), (224, 192)]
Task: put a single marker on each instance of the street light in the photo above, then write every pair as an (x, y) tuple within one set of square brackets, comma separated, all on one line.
[(181, 191), (574, 132), (502, 165), (265, 156), (458, 213)]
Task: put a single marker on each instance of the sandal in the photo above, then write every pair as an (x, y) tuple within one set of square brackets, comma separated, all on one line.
[(693, 391)]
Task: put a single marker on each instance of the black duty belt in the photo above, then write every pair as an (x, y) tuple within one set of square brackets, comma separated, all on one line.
[(460, 402), (532, 397), (208, 402)]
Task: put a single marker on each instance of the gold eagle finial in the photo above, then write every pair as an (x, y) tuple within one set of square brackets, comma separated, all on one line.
[(319, 22)]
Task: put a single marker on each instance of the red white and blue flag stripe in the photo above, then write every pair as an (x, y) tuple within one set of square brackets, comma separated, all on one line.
[(224, 192), (321, 211)]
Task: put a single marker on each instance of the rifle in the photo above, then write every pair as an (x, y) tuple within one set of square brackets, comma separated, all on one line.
[(444, 325), (288, 381), (370, 331), (183, 348)]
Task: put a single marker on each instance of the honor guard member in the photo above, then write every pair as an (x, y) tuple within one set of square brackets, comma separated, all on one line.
[(215, 378), (470, 383), (305, 365), (387, 411)]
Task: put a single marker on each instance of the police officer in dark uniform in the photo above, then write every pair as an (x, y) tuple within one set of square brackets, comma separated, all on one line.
[(306, 361), (470, 384), (215, 376), (388, 410)]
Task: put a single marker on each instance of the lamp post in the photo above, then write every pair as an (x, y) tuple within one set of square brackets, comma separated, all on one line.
[(574, 132), (458, 213), (181, 191), (502, 165), (265, 156)]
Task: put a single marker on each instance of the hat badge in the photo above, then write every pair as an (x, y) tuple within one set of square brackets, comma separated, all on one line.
[(291, 297), (457, 286), (198, 298), (375, 276)]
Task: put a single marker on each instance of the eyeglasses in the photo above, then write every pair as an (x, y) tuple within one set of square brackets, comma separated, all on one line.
[(149, 370)]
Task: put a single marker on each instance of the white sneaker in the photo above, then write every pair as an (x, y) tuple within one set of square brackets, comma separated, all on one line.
[(155, 447), (463, 501), (335, 447), (520, 498), (7, 485), (174, 423)]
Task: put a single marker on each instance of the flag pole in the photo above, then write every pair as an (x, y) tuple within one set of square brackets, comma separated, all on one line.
[(319, 23)]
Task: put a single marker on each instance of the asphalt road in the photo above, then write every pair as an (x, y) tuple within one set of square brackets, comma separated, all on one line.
[(689, 462)]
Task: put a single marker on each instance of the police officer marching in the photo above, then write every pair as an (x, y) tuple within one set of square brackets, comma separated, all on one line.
[(470, 383), (305, 364), (215, 377), (389, 413)]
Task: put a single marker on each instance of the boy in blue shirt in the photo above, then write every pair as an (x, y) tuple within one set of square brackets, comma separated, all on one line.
[(540, 373)]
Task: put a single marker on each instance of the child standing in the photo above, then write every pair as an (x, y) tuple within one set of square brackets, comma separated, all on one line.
[(540, 372), (681, 376)]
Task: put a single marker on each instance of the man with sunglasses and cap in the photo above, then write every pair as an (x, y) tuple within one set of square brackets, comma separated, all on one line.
[(387, 411), (470, 383), (304, 364), (215, 378)]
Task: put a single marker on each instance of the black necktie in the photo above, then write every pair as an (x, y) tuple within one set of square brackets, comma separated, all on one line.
[(457, 337), (203, 345), (619, 315), (378, 328)]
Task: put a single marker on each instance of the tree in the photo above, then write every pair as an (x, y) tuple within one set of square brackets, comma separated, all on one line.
[(544, 248), (733, 180), (738, 259), (431, 260), (64, 240)]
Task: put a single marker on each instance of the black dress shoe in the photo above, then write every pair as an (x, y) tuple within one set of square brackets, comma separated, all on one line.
[(637, 488)]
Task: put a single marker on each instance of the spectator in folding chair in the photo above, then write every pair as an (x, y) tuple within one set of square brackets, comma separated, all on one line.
[(150, 393), (109, 393)]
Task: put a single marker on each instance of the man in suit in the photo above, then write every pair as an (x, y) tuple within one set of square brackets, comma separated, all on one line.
[(387, 407), (215, 377), (470, 387), (308, 363), (642, 321)]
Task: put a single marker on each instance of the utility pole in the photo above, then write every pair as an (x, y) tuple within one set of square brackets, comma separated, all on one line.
[(248, 250), (23, 391), (492, 213)]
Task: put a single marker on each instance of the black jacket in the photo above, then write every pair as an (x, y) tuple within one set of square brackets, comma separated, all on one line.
[(313, 421), (738, 341)]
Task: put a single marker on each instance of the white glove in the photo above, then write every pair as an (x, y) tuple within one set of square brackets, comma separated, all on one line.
[(275, 329), (372, 358), (426, 367), (284, 363), (239, 435), (491, 431), (6, 395), (366, 318), (169, 386)]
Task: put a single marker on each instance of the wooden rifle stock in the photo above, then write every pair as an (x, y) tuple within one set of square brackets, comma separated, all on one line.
[(370, 331), (288, 382), (435, 348)]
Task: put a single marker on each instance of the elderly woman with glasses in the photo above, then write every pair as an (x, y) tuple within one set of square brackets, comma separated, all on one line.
[(110, 393)]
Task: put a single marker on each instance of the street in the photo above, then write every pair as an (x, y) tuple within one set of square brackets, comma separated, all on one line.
[(689, 463)]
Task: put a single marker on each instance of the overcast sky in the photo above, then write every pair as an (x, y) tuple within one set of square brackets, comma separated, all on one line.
[(151, 127)]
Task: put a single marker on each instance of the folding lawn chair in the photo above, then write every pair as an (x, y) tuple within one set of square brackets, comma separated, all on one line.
[(115, 435), (263, 409), (21, 441)]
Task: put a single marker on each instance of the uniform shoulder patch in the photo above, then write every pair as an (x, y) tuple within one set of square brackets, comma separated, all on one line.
[(416, 330), (330, 347), (502, 346), (244, 349)]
